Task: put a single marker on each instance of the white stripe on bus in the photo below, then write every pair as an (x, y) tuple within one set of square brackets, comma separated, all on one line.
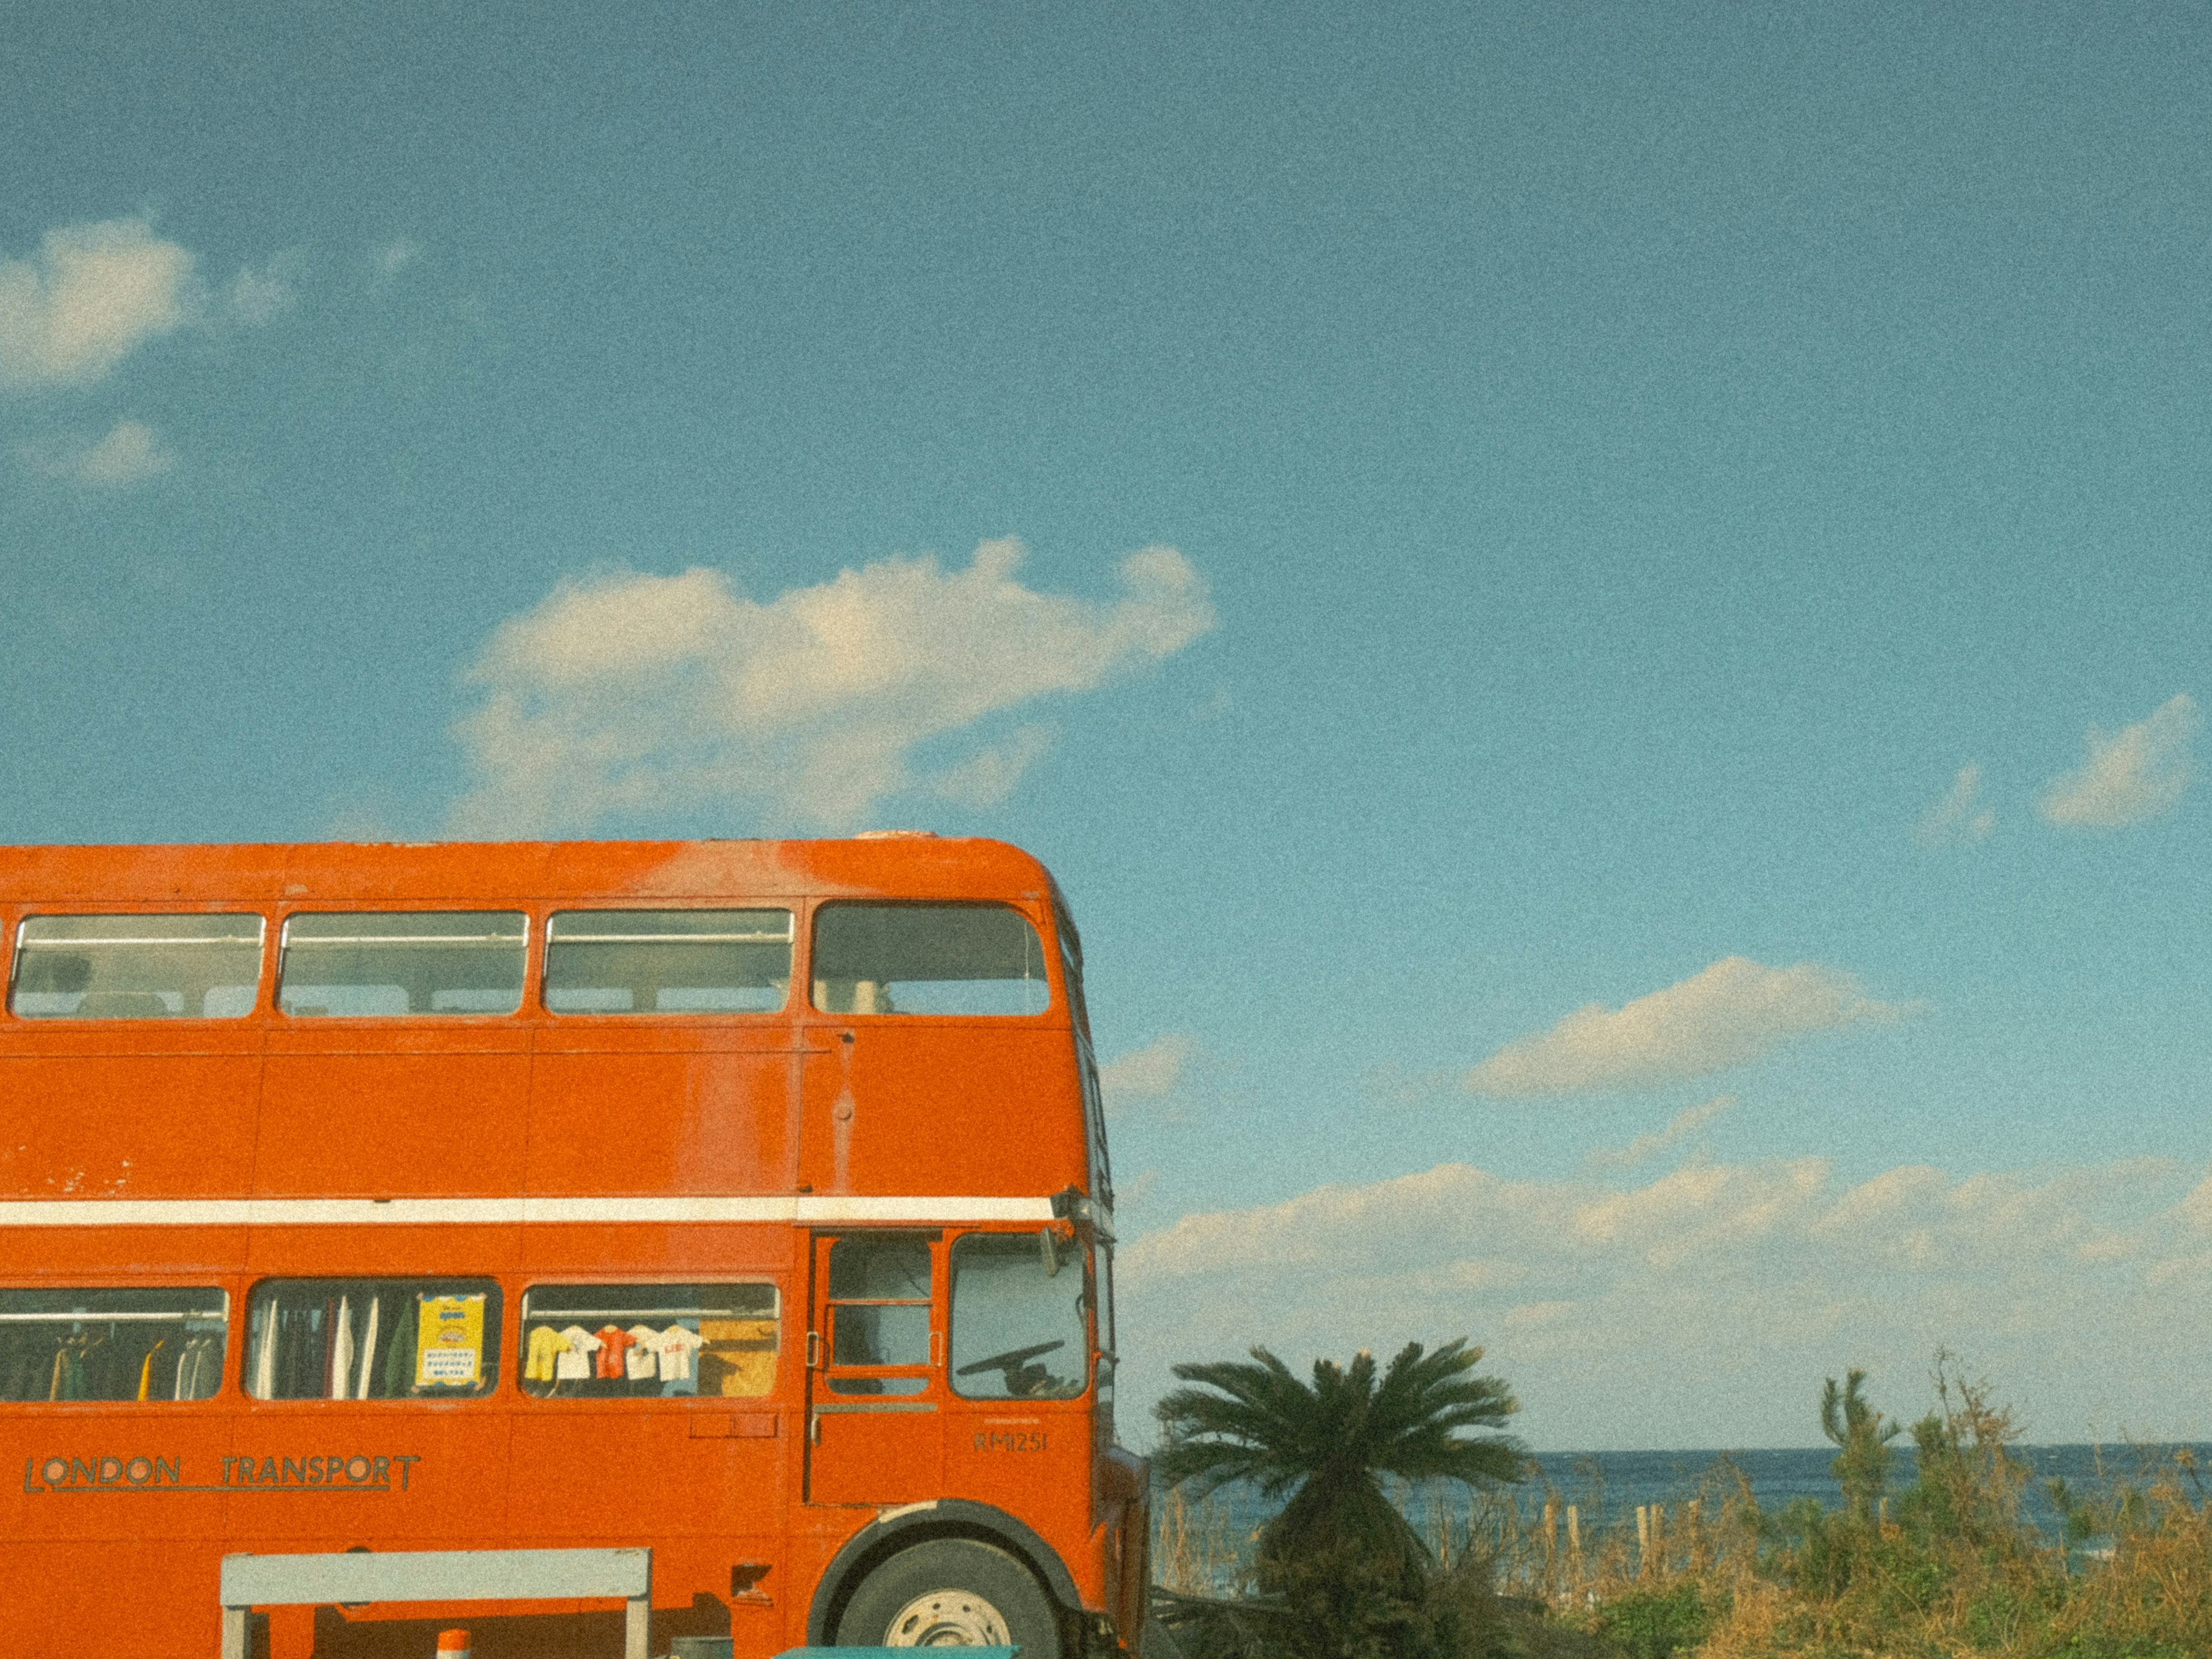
[(804, 1208)]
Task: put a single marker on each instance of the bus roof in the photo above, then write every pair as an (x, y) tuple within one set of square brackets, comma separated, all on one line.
[(895, 865)]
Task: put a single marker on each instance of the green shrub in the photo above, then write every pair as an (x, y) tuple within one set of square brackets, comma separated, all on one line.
[(1657, 1624)]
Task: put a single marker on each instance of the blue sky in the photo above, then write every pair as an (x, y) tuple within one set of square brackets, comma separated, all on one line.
[(1520, 510)]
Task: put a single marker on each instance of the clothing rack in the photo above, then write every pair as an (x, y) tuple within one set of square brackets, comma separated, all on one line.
[(214, 1316), (641, 1313)]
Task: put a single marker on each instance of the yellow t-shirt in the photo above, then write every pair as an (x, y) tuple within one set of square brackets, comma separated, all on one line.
[(545, 1345)]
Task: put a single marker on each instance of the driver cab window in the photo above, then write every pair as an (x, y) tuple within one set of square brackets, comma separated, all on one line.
[(1019, 1330)]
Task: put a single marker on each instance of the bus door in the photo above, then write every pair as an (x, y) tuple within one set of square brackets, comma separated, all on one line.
[(874, 1424)]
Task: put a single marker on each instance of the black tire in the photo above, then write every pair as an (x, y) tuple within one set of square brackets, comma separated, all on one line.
[(952, 1592)]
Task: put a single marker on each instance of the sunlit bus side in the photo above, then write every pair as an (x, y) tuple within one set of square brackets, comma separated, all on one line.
[(745, 1200)]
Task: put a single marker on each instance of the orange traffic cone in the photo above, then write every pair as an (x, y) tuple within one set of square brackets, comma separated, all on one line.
[(452, 1645)]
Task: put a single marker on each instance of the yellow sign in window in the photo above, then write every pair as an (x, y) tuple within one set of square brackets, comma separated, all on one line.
[(449, 1341)]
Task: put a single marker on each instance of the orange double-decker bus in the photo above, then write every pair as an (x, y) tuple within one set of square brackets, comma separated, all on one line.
[(745, 1200)]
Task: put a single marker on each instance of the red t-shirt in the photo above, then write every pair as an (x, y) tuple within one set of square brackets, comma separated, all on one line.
[(614, 1343)]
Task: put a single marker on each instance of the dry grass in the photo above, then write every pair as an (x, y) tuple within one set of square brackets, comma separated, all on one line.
[(1948, 1568), (1195, 1552)]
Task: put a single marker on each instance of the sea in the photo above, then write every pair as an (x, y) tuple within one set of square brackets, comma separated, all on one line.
[(1608, 1487)]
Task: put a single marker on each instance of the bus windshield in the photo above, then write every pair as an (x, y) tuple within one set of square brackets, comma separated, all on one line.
[(1019, 1331)]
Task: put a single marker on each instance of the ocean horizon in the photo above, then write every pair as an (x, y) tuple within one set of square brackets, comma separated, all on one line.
[(1608, 1487)]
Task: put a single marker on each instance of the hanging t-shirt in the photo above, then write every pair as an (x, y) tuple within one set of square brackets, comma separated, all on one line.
[(615, 1343), (640, 1359), (575, 1361), (674, 1348), (546, 1347)]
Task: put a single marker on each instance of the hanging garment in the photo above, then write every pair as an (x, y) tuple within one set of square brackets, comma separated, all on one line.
[(614, 1343), (264, 1355), (327, 1374), (368, 1347), (107, 1373), (206, 1353), (575, 1363), (674, 1348), (342, 1352), (399, 1357), (642, 1359), (546, 1347), (146, 1370)]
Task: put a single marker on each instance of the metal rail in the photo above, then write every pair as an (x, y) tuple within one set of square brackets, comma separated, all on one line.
[(263, 1581)]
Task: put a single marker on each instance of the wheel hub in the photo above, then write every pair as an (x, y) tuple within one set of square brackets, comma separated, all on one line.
[(947, 1618)]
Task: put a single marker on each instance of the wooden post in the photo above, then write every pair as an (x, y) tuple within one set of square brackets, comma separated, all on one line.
[(1642, 1541), (1699, 1556), (1552, 1549)]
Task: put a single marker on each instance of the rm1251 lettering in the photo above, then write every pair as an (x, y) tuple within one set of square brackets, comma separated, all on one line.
[(1013, 1440)]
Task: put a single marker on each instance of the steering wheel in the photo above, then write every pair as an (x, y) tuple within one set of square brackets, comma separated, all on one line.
[(1011, 1358)]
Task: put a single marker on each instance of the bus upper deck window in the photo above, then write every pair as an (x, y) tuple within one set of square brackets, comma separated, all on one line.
[(136, 966), (927, 959), (148, 1344), (668, 962), (371, 963)]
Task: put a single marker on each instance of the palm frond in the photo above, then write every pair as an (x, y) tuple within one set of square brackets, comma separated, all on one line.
[(1254, 1421)]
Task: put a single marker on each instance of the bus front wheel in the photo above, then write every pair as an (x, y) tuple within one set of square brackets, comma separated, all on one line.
[(952, 1593)]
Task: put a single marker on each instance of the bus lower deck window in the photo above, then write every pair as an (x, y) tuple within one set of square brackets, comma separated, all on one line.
[(145, 1344), (668, 962), (187, 967), (927, 959), (648, 1341), (372, 1338), (370, 965)]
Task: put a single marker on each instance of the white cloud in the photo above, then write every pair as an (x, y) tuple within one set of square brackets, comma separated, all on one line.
[(1146, 1075), (256, 297), (1726, 1015), (1959, 817), (394, 257), (1680, 1128), (2135, 773), (90, 294), (636, 695), (988, 776), (1703, 1307), (130, 454)]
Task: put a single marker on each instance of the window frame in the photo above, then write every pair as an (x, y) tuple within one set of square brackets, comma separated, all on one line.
[(12, 924), (1079, 1258), (273, 965), (226, 1376), (1056, 995), (693, 1401), (491, 1357), (535, 999)]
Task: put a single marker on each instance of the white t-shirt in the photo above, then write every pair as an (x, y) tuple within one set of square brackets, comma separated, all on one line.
[(576, 1360), (639, 1361), (675, 1347)]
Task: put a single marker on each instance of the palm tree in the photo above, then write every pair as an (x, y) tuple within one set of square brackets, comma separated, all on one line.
[(1328, 1441)]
